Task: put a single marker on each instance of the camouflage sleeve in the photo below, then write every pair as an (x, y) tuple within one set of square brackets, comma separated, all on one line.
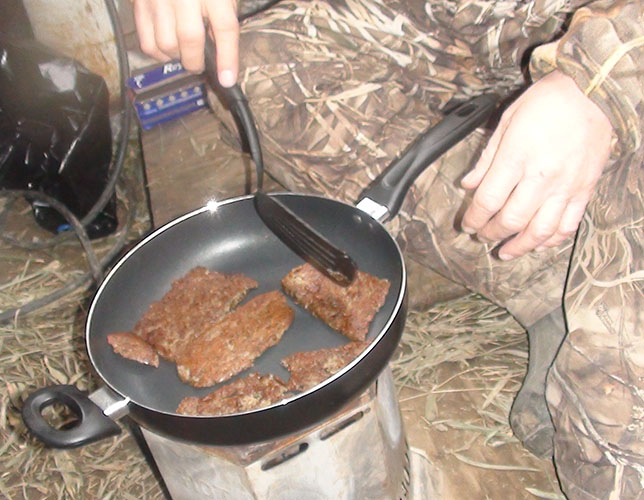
[(603, 51)]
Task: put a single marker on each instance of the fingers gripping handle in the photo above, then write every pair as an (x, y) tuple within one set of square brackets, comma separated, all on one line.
[(92, 424)]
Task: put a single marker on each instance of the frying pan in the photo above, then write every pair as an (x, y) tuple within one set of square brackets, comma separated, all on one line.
[(230, 237)]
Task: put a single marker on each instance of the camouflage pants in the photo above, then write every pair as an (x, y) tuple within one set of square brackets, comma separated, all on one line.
[(595, 387), (339, 92)]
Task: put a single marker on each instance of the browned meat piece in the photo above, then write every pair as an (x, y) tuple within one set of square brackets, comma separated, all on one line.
[(308, 369), (232, 344), (348, 310), (194, 302), (133, 347), (245, 394)]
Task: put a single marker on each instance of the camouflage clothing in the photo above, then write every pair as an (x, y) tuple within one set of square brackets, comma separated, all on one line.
[(596, 387), (339, 88)]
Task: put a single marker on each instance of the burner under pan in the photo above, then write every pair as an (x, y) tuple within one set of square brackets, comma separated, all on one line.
[(359, 453)]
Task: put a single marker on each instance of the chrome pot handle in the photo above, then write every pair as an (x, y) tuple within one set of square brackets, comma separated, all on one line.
[(93, 425)]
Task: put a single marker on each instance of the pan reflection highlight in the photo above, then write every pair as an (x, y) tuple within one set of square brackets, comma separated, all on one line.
[(212, 205)]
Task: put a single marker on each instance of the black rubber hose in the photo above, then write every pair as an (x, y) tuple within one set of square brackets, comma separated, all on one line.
[(79, 230), (235, 100)]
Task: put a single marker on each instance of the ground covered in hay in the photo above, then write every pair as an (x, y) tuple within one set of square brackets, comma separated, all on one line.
[(458, 367)]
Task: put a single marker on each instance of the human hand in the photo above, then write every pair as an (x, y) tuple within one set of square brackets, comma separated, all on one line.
[(539, 169), (174, 29)]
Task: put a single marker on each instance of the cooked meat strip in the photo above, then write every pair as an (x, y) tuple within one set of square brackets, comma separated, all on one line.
[(133, 347), (349, 309), (232, 344), (194, 302), (245, 394), (308, 369)]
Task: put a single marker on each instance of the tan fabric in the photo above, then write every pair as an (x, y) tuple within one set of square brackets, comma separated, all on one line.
[(340, 88)]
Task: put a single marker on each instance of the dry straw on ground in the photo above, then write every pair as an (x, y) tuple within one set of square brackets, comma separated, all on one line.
[(479, 341)]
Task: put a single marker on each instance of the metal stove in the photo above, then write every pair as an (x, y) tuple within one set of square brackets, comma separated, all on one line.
[(359, 453)]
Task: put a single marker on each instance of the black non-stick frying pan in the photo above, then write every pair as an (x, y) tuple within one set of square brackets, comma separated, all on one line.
[(230, 237)]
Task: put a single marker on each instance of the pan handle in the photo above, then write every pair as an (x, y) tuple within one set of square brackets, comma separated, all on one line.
[(388, 190), (93, 424)]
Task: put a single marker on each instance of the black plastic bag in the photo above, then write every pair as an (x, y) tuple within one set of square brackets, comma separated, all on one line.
[(55, 134)]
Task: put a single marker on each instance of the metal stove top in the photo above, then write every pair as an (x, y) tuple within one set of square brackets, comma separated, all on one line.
[(360, 453)]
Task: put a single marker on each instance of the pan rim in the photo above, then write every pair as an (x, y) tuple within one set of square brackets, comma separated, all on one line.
[(212, 206)]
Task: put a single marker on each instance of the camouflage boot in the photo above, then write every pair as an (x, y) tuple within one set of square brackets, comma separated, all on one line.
[(529, 417)]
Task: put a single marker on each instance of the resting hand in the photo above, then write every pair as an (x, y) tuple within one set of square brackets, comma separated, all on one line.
[(538, 172), (174, 29)]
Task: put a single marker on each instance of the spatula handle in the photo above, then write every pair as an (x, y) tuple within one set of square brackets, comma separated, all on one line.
[(236, 102)]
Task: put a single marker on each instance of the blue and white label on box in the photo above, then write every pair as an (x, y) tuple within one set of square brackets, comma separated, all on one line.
[(156, 76)]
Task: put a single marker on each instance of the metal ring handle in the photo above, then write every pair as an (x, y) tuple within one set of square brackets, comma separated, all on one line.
[(92, 426)]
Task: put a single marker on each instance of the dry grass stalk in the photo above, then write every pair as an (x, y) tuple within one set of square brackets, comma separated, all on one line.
[(470, 346)]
